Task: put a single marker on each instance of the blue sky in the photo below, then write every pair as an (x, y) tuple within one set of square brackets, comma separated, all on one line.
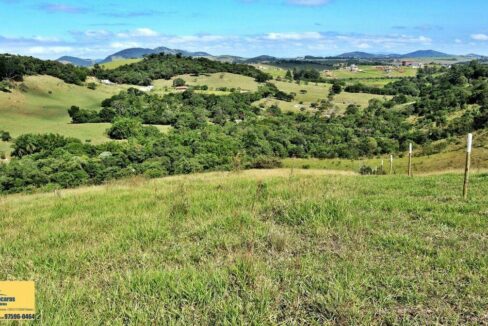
[(286, 28)]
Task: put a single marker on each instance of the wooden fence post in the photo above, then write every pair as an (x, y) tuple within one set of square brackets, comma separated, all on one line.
[(410, 150), (391, 164), (467, 167)]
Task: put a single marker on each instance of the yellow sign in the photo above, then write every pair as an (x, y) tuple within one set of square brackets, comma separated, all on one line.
[(17, 300)]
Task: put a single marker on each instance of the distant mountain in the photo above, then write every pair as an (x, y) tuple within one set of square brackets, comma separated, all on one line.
[(229, 58), (131, 53), (262, 58), (136, 53), (426, 54), (411, 55), (77, 61), (359, 55), (474, 56)]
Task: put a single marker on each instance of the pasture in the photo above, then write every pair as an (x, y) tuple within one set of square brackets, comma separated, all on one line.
[(118, 63), (213, 81), (254, 247), (452, 158), (368, 71), (41, 103), (308, 93)]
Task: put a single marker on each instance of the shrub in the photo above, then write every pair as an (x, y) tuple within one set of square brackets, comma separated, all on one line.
[(266, 162), (92, 86), (125, 128), (5, 136), (366, 170), (179, 82)]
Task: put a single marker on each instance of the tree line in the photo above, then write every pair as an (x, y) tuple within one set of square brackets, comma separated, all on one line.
[(166, 66), (15, 67)]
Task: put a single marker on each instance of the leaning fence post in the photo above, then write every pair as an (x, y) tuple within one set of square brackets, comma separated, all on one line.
[(467, 167), (410, 148)]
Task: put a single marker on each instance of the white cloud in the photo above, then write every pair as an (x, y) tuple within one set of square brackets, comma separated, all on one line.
[(138, 32), (124, 45), (46, 39), (480, 37), (363, 46), (144, 32), (294, 36), (46, 50), (100, 43)]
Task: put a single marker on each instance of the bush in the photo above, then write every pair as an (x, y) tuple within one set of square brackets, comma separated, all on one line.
[(125, 128), (366, 170), (5, 136), (92, 86), (179, 82), (266, 162)]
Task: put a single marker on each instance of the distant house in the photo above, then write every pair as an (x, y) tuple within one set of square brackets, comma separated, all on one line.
[(412, 64), (353, 68)]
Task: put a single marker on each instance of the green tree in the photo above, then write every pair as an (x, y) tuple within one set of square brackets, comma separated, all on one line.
[(179, 82), (125, 128)]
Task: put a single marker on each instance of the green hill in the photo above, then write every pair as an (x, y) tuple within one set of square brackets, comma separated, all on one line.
[(264, 247), (40, 103)]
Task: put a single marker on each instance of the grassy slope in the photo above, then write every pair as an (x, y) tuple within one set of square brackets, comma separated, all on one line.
[(451, 159), (272, 70), (316, 92), (117, 63), (36, 110), (291, 247), (373, 72), (213, 81)]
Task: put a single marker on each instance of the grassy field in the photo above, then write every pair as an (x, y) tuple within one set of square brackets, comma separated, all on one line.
[(43, 107), (272, 70), (371, 72), (315, 92), (451, 159), (255, 247), (213, 81), (446, 161), (117, 63)]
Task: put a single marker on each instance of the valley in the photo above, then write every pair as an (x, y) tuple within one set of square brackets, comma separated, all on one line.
[(183, 190)]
